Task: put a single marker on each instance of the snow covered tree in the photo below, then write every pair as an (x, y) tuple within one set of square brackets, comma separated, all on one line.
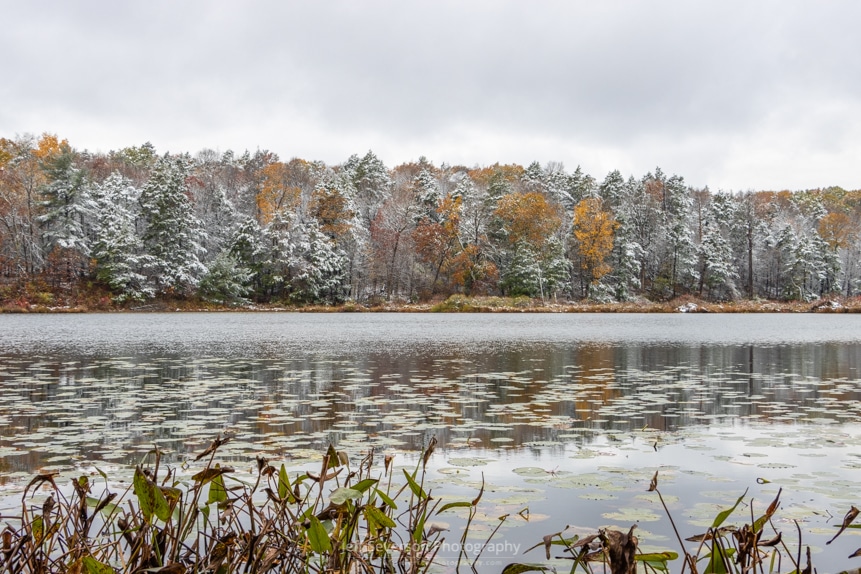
[(65, 204), (677, 257), (226, 281), (306, 266), (172, 233), (717, 269), (248, 246), (613, 190), (427, 193), (372, 183), (627, 258), (116, 245)]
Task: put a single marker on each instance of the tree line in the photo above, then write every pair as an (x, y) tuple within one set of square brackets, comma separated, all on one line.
[(236, 228)]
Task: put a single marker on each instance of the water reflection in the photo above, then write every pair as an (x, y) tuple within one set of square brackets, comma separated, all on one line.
[(57, 410)]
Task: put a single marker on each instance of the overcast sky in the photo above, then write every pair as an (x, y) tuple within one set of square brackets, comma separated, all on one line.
[(735, 95)]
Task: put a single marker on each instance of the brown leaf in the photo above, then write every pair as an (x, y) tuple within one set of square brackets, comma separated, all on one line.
[(847, 520), (208, 474), (429, 451), (213, 446), (653, 486)]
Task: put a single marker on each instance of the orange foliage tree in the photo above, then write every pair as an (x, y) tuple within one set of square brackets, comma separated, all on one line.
[(594, 230), (437, 241), (527, 217), (525, 227), (838, 230), (282, 187)]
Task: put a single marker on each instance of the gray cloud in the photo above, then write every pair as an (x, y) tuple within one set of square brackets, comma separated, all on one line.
[(733, 95)]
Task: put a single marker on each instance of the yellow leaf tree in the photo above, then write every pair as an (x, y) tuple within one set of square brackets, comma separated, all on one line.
[(594, 230)]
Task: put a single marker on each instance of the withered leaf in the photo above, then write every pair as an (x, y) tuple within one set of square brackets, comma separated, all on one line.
[(847, 520)]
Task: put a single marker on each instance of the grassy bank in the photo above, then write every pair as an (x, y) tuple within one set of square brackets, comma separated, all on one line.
[(36, 301)]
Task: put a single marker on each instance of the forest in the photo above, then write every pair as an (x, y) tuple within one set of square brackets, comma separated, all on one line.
[(134, 225)]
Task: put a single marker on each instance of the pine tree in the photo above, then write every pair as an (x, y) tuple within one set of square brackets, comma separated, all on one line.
[(65, 204), (116, 246), (717, 271), (172, 234)]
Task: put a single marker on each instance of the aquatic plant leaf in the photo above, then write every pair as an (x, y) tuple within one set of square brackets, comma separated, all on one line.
[(419, 532), (285, 490), (718, 559), (769, 512), (150, 497), (723, 515), (847, 520), (364, 485), (334, 461), (653, 485), (208, 474), (341, 495), (450, 505), (657, 560), (415, 486), (516, 568), (38, 528), (318, 537), (217, 491), (386, 498), (377, 516), (93, 566), (104, 506)]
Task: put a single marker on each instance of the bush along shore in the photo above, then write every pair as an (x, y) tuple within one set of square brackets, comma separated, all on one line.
[(38, 302), (364, 516)]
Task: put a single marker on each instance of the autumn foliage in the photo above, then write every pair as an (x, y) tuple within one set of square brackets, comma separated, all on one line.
[(134, 224), (594, 229)]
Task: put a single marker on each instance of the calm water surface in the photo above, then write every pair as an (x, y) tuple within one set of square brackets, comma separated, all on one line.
[(568, 415)]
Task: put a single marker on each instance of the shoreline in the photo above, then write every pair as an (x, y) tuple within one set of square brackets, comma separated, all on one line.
[(463, 304)]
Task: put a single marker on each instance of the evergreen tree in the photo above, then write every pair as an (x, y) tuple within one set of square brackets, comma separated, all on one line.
[(65, 204), (306, 266), (172, 235), (226, 281), (116, 245), (718, 272)]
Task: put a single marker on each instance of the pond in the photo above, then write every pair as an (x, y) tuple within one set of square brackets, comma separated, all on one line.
[(567, 416)]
